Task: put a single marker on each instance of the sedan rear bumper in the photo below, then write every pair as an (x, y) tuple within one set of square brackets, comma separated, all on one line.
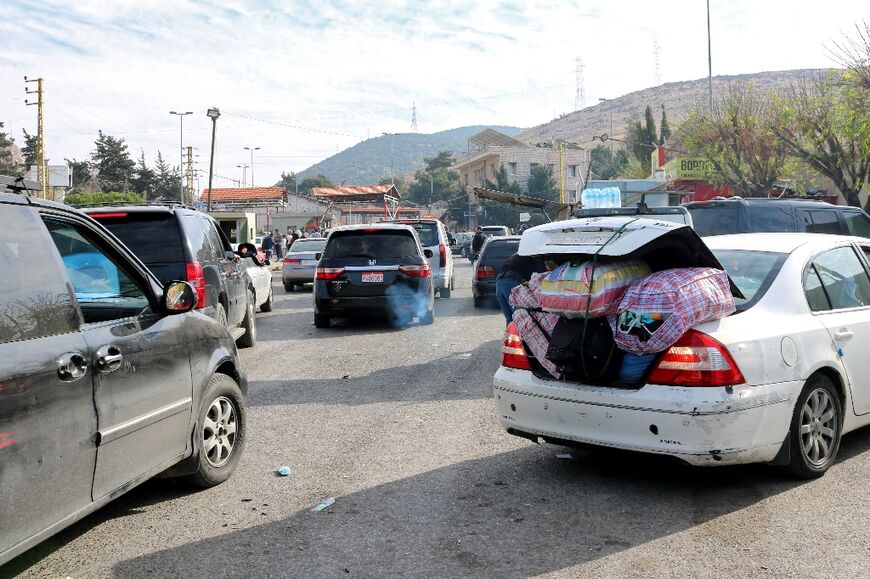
[(297, 274), (702, 426)]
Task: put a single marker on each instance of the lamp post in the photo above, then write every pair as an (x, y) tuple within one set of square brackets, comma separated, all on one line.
[(213, 114), (252, 149), (610, 106), (244, 167), (181, 152)]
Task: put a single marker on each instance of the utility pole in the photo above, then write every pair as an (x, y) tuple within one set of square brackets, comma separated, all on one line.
[(580, 85), (190, 175), (41, 172)]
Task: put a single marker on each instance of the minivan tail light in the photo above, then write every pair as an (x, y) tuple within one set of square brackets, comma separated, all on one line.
[(513, 354), (196, 278), (328, 273), (442, 255), (696, 359), (415, 270), (485, 271)]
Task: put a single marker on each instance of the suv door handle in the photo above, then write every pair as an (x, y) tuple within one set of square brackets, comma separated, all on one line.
[(72, 366), (843, 335), (109, 358)]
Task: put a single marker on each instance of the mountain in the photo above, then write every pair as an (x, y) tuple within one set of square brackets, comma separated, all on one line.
[(679, 98), (368, 162)]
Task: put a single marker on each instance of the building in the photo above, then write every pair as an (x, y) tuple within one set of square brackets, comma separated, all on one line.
[(488, 150), (366, 203)]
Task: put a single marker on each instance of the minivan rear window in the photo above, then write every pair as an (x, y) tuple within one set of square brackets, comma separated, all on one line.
[(153, 237), (371, 244)]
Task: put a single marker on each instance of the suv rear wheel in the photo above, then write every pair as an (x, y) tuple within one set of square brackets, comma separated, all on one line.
[(219, 436), (267, 305)]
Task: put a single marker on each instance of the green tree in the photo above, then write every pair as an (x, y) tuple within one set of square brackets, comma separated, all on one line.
[(8, 164), (166, 180), (443, 160), (307, 184), (112, 162), (665, 130), (144, 178), (853, 53), (435, 182), (605, 167), (650, 134), (82, 180), (542, 184), (288, 182), (740, 138), (29, 150), (93, 199), (495, 212)]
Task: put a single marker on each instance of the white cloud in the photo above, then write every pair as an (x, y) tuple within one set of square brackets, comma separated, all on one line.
[(354, 67)]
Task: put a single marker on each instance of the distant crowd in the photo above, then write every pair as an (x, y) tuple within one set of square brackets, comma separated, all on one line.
[(278, 243)]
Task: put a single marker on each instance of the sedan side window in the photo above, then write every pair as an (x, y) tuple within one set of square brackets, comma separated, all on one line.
[(35, 300), (843, 278), (103, 289)]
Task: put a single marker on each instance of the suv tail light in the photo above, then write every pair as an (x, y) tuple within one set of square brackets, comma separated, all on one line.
[(696, 359), (485, 271), (442, 255), (513, 355), (328, 273), (415, 270), (113, 215), (196, 278)]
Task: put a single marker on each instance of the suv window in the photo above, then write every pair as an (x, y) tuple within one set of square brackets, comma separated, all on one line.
[(104, 291), (821, 222), (857, 223), (380, 244), (714, 219), (771, 218), (428, 232), (153, 237), (501, 249), (842, 279), (196, 230), (35, 300)]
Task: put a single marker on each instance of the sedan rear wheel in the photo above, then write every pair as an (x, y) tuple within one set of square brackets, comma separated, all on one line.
[(815, 429), (288, 287), (267, 305)]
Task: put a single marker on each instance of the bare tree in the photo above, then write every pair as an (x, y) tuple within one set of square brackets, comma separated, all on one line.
[(739, 138), (853, 54)]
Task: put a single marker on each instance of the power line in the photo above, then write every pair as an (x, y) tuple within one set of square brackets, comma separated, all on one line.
[(280, 124)]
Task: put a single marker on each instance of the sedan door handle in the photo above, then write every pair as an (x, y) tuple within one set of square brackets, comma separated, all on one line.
[(72, 366), (109, 358), (844, 335)]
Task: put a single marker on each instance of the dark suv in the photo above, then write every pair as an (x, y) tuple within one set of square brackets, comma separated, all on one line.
[(734, 215), (105, 381), (178, 242), (376, 271)]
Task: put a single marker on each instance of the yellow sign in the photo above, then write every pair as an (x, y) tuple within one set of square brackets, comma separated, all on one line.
[(690, 168)]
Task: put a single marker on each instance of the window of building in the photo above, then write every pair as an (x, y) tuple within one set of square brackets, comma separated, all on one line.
[(532, 167), (572, 170), (512, 168)]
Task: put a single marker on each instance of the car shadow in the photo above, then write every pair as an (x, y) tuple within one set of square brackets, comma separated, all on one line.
[(513, 514)]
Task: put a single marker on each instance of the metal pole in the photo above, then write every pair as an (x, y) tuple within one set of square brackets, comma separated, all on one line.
[(213, 114), (709, 61), (181, 158)]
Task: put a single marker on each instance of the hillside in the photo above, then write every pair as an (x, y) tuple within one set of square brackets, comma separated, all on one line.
[(369, 161), (679, 98)]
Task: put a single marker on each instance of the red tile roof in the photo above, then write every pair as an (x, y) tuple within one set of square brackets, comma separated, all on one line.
[(363, 192), (244, 195), (370, 209)]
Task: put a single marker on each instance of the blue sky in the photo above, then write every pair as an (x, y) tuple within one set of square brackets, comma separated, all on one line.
[(304, 79)]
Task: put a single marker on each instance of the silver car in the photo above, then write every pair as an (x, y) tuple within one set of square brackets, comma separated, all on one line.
[(300, 262)]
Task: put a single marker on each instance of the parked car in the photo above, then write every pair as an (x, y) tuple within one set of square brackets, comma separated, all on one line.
[(378, 271), (178, 242), (301, 261), (489, 230), (462, 243), (433, 237), (736, 215), (261, 276), (778, 381), (493, 254), (104, 385)]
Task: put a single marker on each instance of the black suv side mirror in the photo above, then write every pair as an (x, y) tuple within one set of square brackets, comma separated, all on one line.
[(428, 253), (178, 297)]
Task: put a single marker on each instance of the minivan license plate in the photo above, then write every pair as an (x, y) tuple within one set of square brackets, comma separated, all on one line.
[(373, 277)]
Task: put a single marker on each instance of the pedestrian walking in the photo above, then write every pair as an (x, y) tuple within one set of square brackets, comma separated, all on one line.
[(280, 244), (477, 242), (515, 270)]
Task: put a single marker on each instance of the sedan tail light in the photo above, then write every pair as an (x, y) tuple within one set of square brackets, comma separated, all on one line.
[(485, 271), (415, 270), (696, 359), (328, 273), (196, 278), (513, 355), (442, 255), (290, 261)]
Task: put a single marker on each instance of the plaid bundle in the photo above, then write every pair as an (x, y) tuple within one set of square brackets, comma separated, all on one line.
[(659, 308), (570, 290), (534, 327)]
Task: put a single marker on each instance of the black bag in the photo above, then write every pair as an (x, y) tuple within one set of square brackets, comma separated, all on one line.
[(584, 350)]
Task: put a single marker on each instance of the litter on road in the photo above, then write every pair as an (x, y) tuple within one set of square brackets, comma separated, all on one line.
[(323, 505), (284, 471)]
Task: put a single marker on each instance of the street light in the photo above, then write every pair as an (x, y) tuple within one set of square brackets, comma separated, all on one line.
[(252, 149), (392, 180), (213, 114), (610, 106), (243, 167), (181, 153)]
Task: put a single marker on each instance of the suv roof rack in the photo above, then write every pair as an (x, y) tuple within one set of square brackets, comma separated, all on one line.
[(143, 204)]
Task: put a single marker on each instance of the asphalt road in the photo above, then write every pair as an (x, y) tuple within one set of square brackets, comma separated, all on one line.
[(398, 426)]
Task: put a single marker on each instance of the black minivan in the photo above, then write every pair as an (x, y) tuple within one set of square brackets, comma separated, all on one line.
[(378, 270), (105, 381), (178, 242)]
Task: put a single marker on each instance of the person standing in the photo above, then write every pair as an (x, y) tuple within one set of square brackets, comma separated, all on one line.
[(515, 270), (268, 245), (477, 242), (280, 244)]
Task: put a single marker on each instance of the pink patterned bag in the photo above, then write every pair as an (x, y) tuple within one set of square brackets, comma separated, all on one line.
[(659, 308), (535, 327)]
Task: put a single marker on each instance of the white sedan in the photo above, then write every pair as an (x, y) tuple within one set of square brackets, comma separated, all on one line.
[(778, 381)]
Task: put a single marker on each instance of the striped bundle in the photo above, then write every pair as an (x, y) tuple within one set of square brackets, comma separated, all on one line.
[(571, 291)]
